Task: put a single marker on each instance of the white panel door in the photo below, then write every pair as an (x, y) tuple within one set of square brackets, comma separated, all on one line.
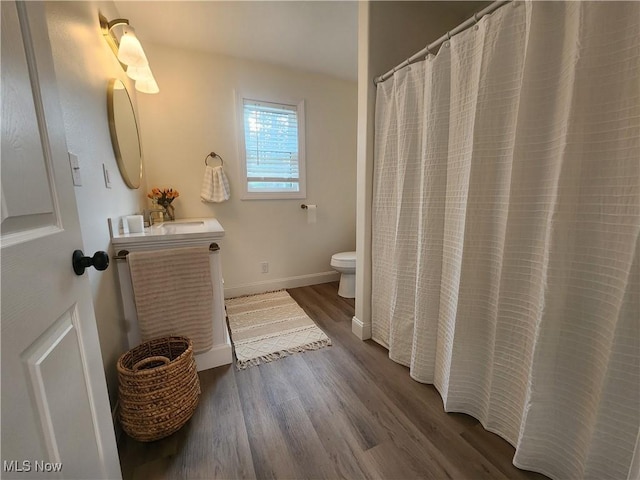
[(56, 420)]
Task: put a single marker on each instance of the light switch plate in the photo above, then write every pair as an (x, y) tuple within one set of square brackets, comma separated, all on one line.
[(75, 169), (107, 179)]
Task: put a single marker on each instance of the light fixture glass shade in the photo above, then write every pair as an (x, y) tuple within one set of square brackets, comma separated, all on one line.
[(130, 51), (147, 85), (139, 73)]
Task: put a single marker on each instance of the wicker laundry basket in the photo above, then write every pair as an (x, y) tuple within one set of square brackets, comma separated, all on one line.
[(159, 387)]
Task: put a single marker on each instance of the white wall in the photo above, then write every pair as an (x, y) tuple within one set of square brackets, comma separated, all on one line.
[(84, 64), (191, 116), (194, 114), (389, 33)]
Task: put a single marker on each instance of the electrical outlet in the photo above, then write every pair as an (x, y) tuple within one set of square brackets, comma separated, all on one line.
[(264, 267)]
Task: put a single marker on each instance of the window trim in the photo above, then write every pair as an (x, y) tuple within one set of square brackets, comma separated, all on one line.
[(242, 155)]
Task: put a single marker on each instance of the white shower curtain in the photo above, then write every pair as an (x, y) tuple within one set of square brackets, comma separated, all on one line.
[(506, 219)]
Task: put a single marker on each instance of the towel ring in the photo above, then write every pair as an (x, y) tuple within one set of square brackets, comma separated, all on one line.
[(213, 155)]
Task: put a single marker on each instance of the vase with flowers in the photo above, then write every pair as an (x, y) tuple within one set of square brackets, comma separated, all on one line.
[(164, 197)]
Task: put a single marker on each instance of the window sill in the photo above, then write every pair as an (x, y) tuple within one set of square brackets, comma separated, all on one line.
[(273, 196)]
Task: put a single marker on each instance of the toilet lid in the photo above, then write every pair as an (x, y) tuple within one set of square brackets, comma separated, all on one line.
[(344, 259)]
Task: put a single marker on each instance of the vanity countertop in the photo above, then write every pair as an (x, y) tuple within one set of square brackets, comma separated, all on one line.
[(183, 232)]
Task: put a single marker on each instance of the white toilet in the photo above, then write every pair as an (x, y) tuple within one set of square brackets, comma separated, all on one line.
[(345, 263)]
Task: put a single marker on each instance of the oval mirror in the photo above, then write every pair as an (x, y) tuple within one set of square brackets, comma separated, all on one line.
[(124, 133)]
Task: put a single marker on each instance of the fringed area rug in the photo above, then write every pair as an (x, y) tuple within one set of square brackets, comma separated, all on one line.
[(270, 326)]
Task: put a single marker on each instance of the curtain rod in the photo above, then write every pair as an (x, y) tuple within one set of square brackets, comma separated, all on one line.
[(447, 36)]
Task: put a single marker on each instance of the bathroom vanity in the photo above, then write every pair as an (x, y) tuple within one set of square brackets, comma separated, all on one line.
[(176, 234)]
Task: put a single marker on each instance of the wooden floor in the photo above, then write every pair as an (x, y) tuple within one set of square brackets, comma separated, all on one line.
[(344, 411)]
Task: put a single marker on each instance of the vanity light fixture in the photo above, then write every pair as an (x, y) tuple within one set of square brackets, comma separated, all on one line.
[(138, 73), (147, 85), (129, 52), (145, 82)]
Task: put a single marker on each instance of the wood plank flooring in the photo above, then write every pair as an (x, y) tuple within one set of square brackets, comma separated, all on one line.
[(344, 411)]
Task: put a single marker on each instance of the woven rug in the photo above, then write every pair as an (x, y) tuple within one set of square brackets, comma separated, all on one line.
[(270, 326)]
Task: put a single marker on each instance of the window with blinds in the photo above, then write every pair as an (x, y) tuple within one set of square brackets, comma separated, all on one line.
[(274, 149)]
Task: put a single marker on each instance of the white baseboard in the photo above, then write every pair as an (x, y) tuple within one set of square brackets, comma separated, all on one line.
[(281, 283), (218, 355), (360, 329)]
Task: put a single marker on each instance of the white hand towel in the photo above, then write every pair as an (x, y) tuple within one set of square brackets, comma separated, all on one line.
[(215, 186)]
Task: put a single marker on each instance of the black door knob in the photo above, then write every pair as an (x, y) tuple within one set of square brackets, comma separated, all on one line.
[(100, 261)]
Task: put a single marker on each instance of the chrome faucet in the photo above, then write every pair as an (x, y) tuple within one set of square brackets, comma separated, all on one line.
[(148, 218)]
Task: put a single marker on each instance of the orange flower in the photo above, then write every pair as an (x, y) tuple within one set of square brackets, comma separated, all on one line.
[(164, 196)]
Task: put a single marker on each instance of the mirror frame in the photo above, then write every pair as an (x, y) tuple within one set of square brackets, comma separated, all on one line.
[(132, 183)]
